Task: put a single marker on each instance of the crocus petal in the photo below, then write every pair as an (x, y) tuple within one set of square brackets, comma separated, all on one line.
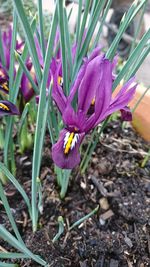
[(126, 114), (95, 53), (104, 92), (8, 108), (125, 87), (56, 43), (77, 82), (89, 83), (102, 95), (70, 160), (73, 120), (6, 42), (57, 92), (26, 88), (121, 102), (4, 85)]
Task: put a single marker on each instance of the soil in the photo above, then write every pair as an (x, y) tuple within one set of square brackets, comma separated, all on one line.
[(118, 235)]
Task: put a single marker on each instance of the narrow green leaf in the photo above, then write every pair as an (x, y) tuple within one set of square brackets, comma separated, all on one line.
[(42, 43), (138, 27), (64, 182), (139, 62), (63, 44), (9, 214), (16, 184), (23, 118), (12, 255), (41, 107), (89, 35), (4, 264), (12, 57), (16, 244), (2, 50), (84, 21), (11, 91), (60, 229), (68, 44), (145, 159), (102, 20), (93, 6), (29, 38), (127, 19), (84, 218), (132, 58), (78, 20)]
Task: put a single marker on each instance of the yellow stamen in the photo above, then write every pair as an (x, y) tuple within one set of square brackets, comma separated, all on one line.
[(5, 87), (93, 101), (68, 144), (60, 80), (4, 107)]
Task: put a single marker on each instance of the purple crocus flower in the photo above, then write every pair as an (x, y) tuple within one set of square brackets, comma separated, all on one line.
[(4, 85), (8, 108), (93, 84), (25, 87), (6, 42)]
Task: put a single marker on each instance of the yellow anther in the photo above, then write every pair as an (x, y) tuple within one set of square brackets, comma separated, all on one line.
[(5, 87), (68, 144), (60, 81), (4, 107), (93, 101)]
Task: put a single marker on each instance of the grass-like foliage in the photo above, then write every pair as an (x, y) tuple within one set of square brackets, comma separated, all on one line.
[(62, 87)]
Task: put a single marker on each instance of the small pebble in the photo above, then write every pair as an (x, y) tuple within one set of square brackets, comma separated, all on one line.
[(104, 203)]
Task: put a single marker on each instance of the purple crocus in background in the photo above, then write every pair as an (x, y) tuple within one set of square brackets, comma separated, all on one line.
[(93, 84), (25, 86), (6, 42), (4, 85), (8, 108)]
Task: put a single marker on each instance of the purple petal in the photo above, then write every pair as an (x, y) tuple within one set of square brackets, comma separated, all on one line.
[(104, 92), (77, 82), (4, 85), (56, 43), (73, 120), (6, 42), (57, 92), (124, 88), (26, 88), (8, 108), (102, 95), (119, 103), (70, 159), (90, 83), (95, 53)]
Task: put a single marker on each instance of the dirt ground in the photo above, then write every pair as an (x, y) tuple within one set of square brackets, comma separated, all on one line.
[(118, 235)]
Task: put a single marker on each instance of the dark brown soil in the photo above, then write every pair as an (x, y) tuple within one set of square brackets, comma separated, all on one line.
[(118, 235)]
